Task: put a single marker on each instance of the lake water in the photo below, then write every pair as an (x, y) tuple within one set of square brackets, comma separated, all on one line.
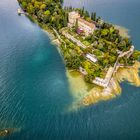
[(34, 90)]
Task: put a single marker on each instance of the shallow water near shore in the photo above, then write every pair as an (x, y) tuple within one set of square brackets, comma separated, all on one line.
[(85, 94), (35, 93)]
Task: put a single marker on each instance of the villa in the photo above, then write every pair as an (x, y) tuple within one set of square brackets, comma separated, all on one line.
[(83, 25), (72, 17), (86, 26)]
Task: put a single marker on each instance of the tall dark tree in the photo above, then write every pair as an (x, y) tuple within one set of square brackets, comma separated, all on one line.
[(65, 21), (61, 1), (86, 14), (93, 16), (83, 11), (76, 24)]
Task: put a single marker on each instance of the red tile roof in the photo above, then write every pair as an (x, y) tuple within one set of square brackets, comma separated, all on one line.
[(91, 25)]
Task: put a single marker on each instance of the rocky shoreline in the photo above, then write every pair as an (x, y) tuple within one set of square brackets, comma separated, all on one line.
[(84, 96)]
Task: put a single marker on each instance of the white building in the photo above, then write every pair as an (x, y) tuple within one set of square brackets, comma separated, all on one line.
[(86, 26), (91, 57), (104, 82), (73, 16), (83, 71)]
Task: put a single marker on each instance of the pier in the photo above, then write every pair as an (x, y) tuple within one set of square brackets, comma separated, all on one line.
[(105, 82), (19, 11)]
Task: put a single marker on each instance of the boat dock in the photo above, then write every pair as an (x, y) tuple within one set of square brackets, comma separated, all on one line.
[(19, 11)]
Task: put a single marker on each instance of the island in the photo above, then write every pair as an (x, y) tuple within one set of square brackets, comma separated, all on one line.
[(95, 52)]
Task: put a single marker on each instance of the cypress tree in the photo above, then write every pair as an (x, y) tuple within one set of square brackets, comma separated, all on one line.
[(93, 16), (61, 1), (86, 14), (76, 24), (83, 11), (65, 20)]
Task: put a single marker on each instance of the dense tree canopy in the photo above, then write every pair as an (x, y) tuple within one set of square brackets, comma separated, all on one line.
[(47, 11)]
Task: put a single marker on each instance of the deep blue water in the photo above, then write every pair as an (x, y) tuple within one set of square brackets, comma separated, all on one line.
[(34, 91)]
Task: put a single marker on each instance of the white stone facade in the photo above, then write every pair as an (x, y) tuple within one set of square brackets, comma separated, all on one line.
[(86, 26), (73, 16)]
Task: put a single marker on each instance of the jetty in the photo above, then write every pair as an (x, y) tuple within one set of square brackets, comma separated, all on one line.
[(106, 82), (19, 11)]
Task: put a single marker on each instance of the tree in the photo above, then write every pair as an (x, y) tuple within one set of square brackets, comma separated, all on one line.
[(88, 78), (86, 14), (39, 15), (48, 2), (65, 20), (36, 7), (104, 32), (83, 11), (88, 19), (93, 16), (47, 12), (46, 18), (42, 7), (76, 24), (30, 9), (24, 5), (136, 55), (73, 62), (61, 1), (112, 59)]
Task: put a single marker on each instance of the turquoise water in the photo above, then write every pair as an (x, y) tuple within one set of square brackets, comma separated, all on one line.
[(34, 91)]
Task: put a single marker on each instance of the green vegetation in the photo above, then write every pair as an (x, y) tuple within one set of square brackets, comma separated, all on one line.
[(93, 16), (48, 12), (105, 42)]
